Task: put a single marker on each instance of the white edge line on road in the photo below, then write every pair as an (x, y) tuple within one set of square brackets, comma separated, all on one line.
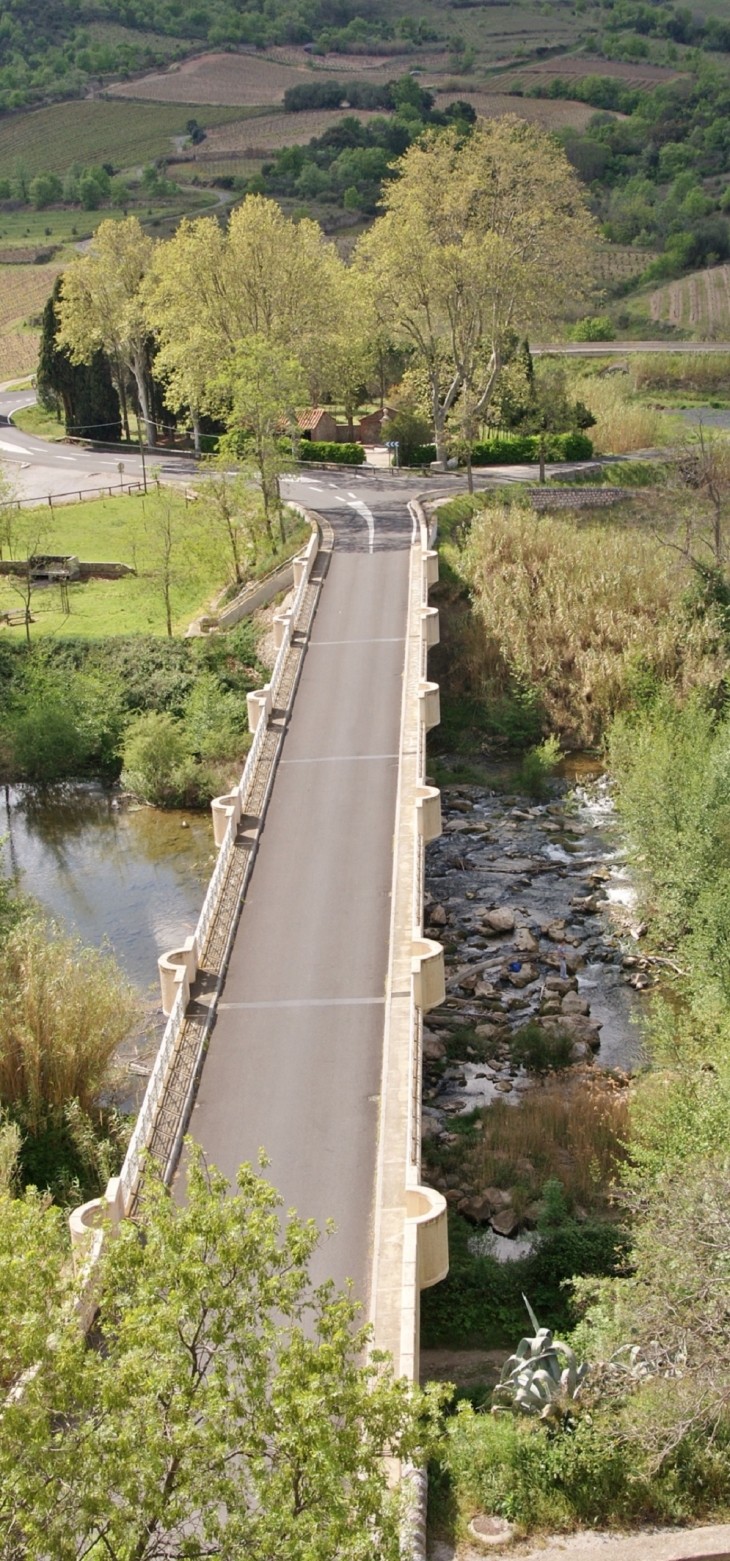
[(307, 1002)]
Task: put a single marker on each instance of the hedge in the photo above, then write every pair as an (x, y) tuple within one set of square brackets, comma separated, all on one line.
[(421, 455), (558, 447), (330, 450)]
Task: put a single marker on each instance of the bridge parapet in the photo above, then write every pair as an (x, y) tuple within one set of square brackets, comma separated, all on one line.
[(411, 1241), (171, 1083)]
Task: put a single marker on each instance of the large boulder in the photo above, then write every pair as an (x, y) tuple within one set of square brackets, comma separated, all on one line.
[(502, 920)]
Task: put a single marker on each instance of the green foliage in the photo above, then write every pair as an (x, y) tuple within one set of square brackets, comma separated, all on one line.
[(596, 327), (350, 162), (231, 1402), (581, 1475), (67, 707), (557, 447), (327, 450), (541, 1051), (673, 772), (412, 431), (480, 1304), (538, 765), (82, 392)]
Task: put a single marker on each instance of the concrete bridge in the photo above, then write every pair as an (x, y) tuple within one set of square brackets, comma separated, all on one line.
[(295, 1010)]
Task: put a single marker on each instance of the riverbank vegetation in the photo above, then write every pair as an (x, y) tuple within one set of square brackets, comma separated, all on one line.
[(648, 1437), (552, 625), (82, 707), (65, 1010)]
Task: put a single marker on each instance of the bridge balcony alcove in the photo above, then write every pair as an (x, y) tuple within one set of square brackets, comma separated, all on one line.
[(177, 968), (427, 970)]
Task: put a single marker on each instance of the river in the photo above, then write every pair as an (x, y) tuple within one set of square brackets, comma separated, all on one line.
[(111, 871)]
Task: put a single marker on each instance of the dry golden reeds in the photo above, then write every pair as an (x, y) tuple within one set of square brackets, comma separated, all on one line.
[(64, 1010), (570, 609), (622, 424), (574, 1133)]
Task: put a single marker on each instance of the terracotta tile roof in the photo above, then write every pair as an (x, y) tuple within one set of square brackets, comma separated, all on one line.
[(311, 418)]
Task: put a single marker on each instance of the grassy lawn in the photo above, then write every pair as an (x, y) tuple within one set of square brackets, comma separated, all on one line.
[(124, 530), (35, 420)]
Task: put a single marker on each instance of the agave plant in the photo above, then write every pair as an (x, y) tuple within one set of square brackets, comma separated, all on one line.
[(539, 1377)]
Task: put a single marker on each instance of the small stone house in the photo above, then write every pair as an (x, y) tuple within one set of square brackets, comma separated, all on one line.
[(317, 424), (370, 429)]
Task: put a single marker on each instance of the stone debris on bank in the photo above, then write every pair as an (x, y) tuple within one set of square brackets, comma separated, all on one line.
[(536, 918)]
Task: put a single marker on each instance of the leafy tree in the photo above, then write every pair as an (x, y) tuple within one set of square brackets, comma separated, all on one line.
[(100, 305), (229, 510), (181, 302), (45, 190), (277, 283), (83, 391), (231, 1411), (265, 383), (480, 238)]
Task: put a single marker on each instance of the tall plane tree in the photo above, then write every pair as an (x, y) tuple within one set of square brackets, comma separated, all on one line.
[(481, 238)]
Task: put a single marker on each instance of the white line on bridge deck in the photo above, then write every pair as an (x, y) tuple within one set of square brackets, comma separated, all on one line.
[(308, 1002), (340, 758)]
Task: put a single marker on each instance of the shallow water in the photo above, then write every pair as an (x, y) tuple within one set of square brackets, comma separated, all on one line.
[(108, 869)]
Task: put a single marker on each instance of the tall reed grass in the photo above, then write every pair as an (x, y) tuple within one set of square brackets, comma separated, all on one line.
[(622, 424), (571, 1133), (573, 613), (64, 1010), (700, 372)]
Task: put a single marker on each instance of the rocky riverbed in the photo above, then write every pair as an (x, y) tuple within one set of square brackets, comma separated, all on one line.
[(544, 964)]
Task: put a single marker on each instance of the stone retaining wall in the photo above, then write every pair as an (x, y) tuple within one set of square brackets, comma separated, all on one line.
[(577, 498)]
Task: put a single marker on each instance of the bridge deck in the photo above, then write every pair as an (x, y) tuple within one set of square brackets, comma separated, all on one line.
[(294, 1061)]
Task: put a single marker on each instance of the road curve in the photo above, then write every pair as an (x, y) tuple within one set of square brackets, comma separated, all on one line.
[(294, 1060)]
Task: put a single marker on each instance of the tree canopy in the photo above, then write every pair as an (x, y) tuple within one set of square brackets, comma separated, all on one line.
[(227, 1407), (481, 238)]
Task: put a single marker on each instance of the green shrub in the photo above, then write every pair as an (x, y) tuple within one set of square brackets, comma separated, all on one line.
[(480, 1304), (420, 455), (156, 753), (595, 327), (538, 765), (329, 450), (585, 1474), (574, 446), (541, 1051)]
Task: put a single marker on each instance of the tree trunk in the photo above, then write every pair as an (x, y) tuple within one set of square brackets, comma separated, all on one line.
[(138, 369), (196, 431), (542, 457), (469, 473), (439, 428), (122, 391)]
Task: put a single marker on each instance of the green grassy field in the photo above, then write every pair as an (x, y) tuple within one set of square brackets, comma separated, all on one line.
[(122, 530), (118, 530), (126, 134)]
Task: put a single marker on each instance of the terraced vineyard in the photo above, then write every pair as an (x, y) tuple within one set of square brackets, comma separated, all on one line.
[(699, 303), (23, 292), (616, 262)]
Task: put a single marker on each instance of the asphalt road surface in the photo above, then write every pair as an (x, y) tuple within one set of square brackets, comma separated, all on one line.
[(294, 1060)]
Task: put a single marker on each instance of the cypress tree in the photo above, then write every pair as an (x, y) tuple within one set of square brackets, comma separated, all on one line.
[(82, 391)]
